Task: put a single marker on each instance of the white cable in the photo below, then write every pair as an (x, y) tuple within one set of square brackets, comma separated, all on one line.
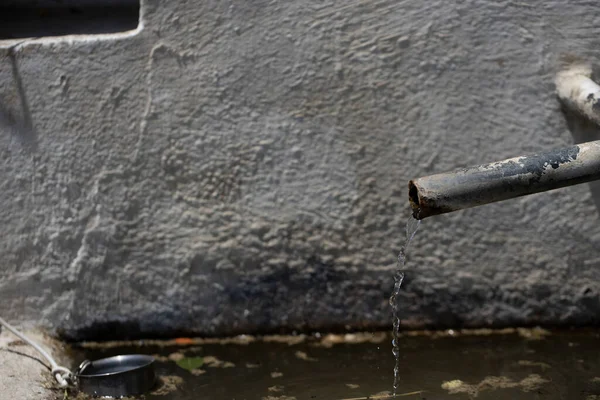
[(62, 374)]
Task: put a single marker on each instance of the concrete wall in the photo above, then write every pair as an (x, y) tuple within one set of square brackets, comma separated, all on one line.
[(241, 166)]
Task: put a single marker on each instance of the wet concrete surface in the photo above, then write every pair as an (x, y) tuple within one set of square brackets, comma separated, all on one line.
[(510, 364)]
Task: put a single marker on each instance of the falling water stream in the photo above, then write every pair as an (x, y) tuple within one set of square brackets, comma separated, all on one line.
[(412, 225)]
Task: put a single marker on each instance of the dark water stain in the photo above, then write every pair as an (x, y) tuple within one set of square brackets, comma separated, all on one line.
[(537, 164)]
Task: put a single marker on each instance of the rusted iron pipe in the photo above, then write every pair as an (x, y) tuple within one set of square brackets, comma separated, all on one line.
[(503, 180), (580, 96)]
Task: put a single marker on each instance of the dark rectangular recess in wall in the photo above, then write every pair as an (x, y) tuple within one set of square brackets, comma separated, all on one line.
[(21, 19)]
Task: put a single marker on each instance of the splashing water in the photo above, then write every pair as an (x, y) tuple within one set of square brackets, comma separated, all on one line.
[(412, 225)]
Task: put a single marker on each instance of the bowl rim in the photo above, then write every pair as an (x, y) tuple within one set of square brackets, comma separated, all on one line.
[(115, 361)]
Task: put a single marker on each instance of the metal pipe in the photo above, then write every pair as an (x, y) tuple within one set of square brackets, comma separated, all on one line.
[(580, 97), (578, 91), (503, 180)]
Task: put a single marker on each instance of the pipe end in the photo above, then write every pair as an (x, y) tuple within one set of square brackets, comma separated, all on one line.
[(414, 200)]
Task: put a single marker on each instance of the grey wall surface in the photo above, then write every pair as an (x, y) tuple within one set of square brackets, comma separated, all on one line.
[(241, 166)]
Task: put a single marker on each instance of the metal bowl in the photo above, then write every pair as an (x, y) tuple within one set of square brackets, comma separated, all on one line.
[(126, 375)]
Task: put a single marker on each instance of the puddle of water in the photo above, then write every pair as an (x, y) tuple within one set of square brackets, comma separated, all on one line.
[(412, 225), (497, 366)]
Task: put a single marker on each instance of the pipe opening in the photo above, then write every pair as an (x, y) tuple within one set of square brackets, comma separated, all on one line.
[(413, 198)]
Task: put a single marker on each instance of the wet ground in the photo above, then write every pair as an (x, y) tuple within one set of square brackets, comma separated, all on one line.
[(512, 364)]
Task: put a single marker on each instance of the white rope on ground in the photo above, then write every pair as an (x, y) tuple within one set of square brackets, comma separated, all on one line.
[(62, 374)]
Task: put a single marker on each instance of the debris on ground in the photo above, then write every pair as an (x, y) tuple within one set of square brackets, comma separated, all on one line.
[(530, 383)]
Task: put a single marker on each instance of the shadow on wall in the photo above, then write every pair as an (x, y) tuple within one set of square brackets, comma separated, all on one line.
[(39, 18), (21, 126)]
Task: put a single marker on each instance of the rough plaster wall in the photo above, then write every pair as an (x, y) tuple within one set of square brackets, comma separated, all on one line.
[(241, 166)]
